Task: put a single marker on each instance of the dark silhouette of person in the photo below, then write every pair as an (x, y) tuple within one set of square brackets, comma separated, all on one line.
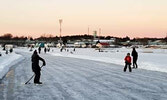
[(39, 50), (36, 68), (6, 51), (127, 62), (61, 49), (11, 50), (45, 49), (135, 56), (48, 49)]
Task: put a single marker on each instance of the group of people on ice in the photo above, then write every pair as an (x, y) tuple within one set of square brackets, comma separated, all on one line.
[(36, 68), (128, 60), (45, 50)]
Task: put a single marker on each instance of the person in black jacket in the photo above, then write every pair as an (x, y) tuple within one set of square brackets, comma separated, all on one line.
[(39, 50), (35, 66), (45, 49), (135, 56)]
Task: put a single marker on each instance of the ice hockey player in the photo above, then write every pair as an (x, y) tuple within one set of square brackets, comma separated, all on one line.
[(35, 66)]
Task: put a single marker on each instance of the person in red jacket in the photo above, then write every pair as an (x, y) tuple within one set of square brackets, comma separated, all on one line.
[(127, 62)]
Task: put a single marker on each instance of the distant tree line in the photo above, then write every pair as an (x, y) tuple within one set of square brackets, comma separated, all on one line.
[(9, 36), (51, 38)]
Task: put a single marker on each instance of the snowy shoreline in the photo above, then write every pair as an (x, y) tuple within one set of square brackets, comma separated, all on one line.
[(7, 61), (149, 59), (155, 61)]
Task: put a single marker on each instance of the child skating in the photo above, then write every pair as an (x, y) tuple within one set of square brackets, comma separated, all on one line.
[(127, 62)]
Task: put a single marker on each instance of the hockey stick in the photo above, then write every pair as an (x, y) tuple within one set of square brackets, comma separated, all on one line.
[(31, 77)]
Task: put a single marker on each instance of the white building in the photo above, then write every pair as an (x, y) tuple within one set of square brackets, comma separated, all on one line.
[(111, 41), (80, 44)]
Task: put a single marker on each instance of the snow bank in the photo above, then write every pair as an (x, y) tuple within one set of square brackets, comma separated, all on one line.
[(8, 60)]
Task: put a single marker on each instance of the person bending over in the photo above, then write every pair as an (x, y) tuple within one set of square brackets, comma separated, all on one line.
[(35, 66)]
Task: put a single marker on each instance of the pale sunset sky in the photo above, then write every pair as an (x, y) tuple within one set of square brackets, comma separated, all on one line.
[(134, 18)]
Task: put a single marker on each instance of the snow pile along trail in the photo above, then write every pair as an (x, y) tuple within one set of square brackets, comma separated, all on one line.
[(8, 60)]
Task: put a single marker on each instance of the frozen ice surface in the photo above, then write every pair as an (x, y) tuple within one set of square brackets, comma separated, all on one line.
[(66, 77), (155, 61)]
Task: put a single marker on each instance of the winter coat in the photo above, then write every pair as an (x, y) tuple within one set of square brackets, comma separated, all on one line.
[(134, 54), (127, 59), (35, 62), (45, 49), (39, 49)]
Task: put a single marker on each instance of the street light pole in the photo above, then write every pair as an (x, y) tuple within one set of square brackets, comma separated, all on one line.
[(60, 22)]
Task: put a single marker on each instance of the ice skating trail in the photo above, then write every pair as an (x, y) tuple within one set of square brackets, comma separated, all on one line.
[(79, 79)]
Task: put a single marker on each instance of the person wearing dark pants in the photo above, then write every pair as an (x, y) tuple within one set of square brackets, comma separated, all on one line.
[(39, 50), (45, 49), (37, 77), (127, 62), (35, 66), (135, 56)]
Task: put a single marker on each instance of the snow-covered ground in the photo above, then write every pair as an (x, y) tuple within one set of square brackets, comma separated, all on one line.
[(7, 60), (150, 59), (65, 77)]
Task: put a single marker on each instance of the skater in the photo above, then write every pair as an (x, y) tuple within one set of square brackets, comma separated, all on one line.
[(99, 50), (127, 62), (61, 49), (45, 49), (135, 56), (39, 50), (35, 66), (31, 49), (48, 49), (6, 51), (11, 50)]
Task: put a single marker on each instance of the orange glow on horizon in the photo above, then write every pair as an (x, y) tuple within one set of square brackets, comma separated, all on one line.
[(120, 18)]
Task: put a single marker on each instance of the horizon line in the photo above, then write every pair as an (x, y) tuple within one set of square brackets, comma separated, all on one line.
[(51, 35)]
